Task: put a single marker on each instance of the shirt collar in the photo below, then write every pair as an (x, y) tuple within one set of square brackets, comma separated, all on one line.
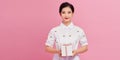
[(70, 26)]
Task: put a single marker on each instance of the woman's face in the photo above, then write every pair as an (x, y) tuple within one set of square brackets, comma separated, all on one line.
[(66, 14)]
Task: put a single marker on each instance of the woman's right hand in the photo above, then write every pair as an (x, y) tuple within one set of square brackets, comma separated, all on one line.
[(59, 53)]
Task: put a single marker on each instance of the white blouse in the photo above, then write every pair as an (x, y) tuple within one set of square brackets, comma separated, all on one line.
[(70, 34)]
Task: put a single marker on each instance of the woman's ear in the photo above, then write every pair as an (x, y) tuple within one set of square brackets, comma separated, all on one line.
[(72, 14), (60, 14)]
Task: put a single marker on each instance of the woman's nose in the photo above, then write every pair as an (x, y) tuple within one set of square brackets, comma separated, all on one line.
[(66, 15)]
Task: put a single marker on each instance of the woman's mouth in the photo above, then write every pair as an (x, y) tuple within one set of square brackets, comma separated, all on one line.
[(66, 18)]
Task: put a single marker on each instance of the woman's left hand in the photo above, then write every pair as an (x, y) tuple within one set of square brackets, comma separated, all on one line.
[(74, 52)]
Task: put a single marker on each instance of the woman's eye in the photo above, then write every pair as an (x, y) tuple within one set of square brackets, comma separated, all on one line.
[(63, 12), (69, 12)]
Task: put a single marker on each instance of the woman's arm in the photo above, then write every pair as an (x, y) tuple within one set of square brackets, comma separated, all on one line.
[(80, 50), (52, 50)]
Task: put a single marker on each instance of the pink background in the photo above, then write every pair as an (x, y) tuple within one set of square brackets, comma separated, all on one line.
[(24, 26)]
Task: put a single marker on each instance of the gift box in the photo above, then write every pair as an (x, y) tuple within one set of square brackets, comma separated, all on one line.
[(66, 50)]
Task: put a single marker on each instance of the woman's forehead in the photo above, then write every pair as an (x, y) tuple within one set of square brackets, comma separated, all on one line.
[(66, 9)]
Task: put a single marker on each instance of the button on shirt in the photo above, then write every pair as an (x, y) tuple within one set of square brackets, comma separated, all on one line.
[(63, 34)]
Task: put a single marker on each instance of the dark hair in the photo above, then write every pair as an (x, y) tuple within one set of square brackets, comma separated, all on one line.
[(66, 4)]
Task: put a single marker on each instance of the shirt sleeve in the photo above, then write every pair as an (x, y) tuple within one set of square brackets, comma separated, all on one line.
[(51, 39), (83, 39)]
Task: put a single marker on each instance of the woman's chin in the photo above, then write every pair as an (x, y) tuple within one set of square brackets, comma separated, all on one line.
[(66, 20)]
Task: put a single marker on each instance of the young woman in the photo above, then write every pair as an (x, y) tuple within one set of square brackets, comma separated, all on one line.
[(66, 34)]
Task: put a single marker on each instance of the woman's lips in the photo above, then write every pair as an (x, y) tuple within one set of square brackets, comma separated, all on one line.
[(66, 18)]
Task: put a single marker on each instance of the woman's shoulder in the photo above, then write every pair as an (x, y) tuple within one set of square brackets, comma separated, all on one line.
[(79, 28), (55, 28)]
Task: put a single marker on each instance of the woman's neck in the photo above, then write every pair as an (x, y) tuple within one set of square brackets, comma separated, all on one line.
[(66, 23)]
